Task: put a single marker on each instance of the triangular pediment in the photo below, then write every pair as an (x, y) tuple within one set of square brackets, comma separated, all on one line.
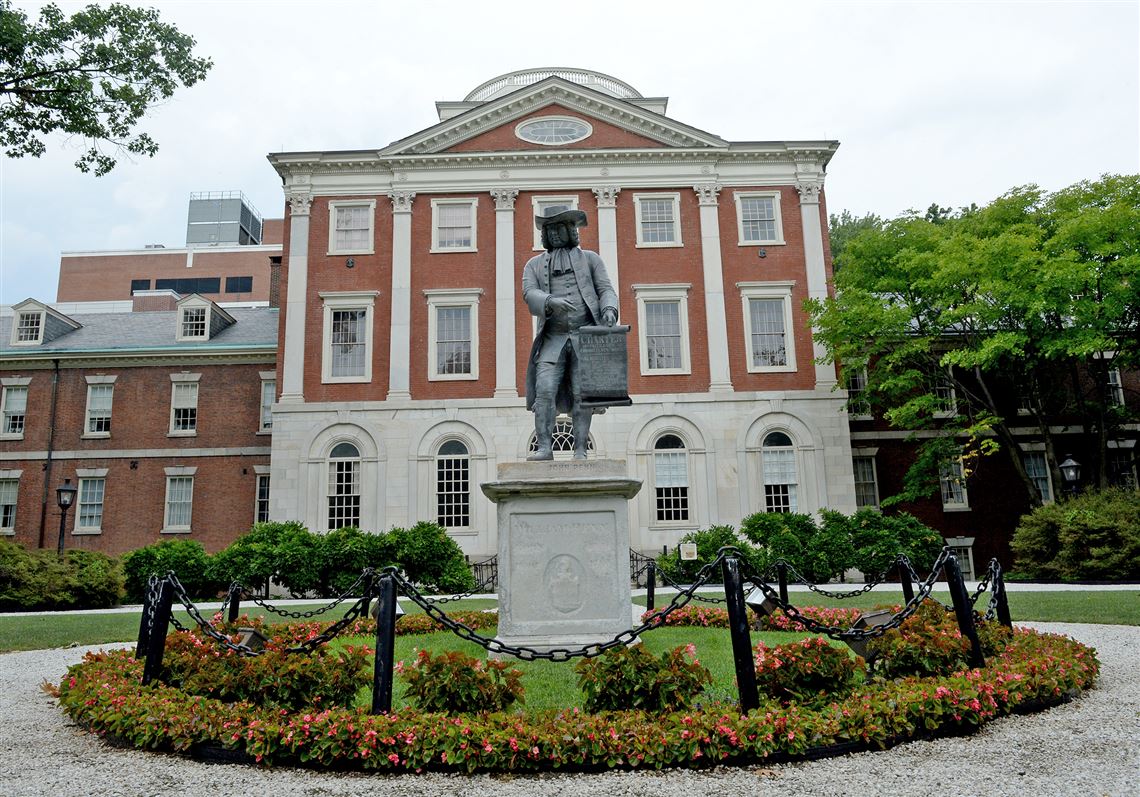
[(494, 122)]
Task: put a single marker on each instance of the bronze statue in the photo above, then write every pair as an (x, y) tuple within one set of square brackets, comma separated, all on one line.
[(566, 288)]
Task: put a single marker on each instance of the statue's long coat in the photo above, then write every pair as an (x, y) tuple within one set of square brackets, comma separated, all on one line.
[(595, 288)]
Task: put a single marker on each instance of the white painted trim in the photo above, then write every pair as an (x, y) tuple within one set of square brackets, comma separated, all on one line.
[(4, 393), (676, 293), (960, 477), (86, 475), (176, 473), (553, 118), (536, 203), (266, 376), (87, 433), (192, 303), (641, 242), (175, 381), (737, 196), (867, 453), (768, 290), (17, 313), (352, 203), (452, 297), (346, 300), (185, 377), (101, 379), (293, 353), (506, 385), (716, 323), (473, 203), (15, 381)]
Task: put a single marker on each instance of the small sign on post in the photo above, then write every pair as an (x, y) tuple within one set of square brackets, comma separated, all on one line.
[(688, 551)]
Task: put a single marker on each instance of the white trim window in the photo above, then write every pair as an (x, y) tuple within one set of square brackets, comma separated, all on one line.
[(14, 405), (453, 333), (1122, 465), (947, 398), (658, 219), (352, 226), (184, 404), (453, 485), (670, 480), (193, 323), (344, 487), (1038, 471), (453, 227), (858, 406), (866, 481), (663, 320), (963, 550), (541, 204), (347, 349), (9, 493), (952, 485), (553, 131), (89, 515), (28, 328), (179, 500), (97, 416), (781, 483), (768, 326), (261, 499), (758, 218), (268, 396), (561, 441), (1115, 388)]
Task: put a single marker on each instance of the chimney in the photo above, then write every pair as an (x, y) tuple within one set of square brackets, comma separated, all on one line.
[(151, 301), (275, 280)]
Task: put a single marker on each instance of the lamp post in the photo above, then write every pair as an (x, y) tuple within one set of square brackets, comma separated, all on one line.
[(65, 497), (1071, 472)]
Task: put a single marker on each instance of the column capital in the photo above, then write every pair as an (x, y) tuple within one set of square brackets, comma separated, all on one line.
[(607, 195), (809, 189), (401, 201), (707, 193), (299, 202), (504, 198)]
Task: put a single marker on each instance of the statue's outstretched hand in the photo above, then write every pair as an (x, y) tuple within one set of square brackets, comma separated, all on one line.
[(558, 305), (609, 316)]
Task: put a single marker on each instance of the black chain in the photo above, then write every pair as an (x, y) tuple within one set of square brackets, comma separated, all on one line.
[(365, 575), (476, 590), (992, 574), (842, 634), (671, 583), (626, 637), (799, 578), (984, 583), (905, 562)]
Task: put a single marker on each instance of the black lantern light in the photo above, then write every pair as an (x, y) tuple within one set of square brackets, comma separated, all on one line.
[(65, 497), (1071, 472)]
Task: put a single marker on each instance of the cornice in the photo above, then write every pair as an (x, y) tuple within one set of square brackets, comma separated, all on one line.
[(16, 361)]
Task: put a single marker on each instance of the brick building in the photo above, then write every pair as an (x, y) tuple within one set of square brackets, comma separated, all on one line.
[(404, 338), (157, 409)]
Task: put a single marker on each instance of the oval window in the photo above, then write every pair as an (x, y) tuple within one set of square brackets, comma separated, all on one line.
[(553, 130)]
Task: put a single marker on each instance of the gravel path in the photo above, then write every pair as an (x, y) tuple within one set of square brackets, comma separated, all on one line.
[(1088, 747)]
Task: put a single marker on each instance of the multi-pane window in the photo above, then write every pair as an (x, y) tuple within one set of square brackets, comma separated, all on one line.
[(179, 502), (194, 322), (671, 479), (29, 327), (8, 490), (261, 507), (1121, 468), (90, 517), (347, 336), (453, 225), (453, 485), (562, 441), (768, 334), (344, 486), (99, 399), (353, 228), (15, 407), (663, 335), (758, 218), (778, 459), (453, 340), (952, 481), (965, 557), (947, 398), (866, 486), (658, 219), (1038, 471), (268, 394), (184, 407), (348, 342), (1115, 388), (858, 405)]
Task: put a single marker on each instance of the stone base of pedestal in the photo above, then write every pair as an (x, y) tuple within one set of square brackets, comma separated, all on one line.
[(563, 552)]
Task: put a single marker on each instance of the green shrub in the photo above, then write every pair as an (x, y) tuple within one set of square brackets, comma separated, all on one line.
[(187, 558), (346, 552), (286, 552), (877, 538), (39, 581), (98, 580), (820, 553), (809, 671), (455, 682), (432, 559), (708, 542), (928, 643), (626, 678), (1095, 536)]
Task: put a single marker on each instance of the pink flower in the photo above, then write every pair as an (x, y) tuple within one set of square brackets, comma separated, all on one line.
[(395, 759)]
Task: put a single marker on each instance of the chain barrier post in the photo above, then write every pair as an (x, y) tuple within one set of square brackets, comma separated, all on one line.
[(156, 644), (963, 609), (741, 639), (1002, 602), (235, 602), (385, 645), (904, 580), (150, 598), (782, 575), (650, 585)]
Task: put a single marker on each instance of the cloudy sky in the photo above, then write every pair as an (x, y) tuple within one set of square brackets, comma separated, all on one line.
[(953, 102)]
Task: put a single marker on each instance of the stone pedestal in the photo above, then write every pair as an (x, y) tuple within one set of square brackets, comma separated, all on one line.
[(563, 551)]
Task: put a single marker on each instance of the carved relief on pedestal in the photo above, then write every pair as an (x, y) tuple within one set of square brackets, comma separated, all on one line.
[(607, 195), (707, 193), (564, 583), (401, 201), (504, 198)]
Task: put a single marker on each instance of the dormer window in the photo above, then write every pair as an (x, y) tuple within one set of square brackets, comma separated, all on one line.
[(193, 323), (199, 319), (29, 327), (34, 324)]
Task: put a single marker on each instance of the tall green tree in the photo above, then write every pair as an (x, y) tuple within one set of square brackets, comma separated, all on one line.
[(93, 76), (1021, 306), (845, 226)]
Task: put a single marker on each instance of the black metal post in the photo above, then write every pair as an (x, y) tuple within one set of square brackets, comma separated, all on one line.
[(650, 585), (157, 643), (385, 646), (235, 602), (150, 599), (782, 575), (963, 610), (741, 639), (904, 580), (1002, 603)]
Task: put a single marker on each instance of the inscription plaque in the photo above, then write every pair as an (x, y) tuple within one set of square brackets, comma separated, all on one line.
[(603, 366)]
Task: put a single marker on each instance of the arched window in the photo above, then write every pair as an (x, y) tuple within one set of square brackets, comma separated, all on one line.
[(453, 485), (344, 486), (563, 439), (779, 463), (671, 479)]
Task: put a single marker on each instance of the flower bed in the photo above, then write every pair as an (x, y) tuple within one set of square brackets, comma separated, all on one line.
[(1030, 672)]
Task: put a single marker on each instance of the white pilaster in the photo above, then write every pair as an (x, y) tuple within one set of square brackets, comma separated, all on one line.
[(505, 279), (607, 231), (401, 341), (720, 378), (293, 367), (809, 188)]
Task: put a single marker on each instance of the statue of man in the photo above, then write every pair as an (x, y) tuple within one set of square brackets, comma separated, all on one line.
[(566, 288)]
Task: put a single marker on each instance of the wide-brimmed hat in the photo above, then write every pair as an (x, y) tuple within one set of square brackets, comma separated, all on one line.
[(561, 213)]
